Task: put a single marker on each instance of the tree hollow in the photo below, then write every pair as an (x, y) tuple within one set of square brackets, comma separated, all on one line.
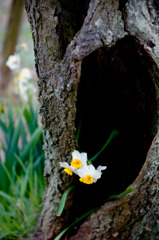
[(116, 91)]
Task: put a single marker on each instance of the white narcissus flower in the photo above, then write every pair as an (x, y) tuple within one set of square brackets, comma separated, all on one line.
[(78, 159), (25, 85), (67, 168), (25, 74), (23, 90), (24, 97), (13, 62), (87, 173)]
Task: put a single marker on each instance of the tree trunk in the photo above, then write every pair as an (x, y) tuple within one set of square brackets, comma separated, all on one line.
[(99, 60), (10, 40)]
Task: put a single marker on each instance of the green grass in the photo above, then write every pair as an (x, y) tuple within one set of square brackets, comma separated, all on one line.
[(21, 206), (21, 153), (21, 171)]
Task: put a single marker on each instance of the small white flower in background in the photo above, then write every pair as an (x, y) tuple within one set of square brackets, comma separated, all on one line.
[(25, 74), (87, 173), (13, 62), (24, 84), (24, 46)]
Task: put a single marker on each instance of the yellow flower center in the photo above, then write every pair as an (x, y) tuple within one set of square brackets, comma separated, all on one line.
[(76, 163), (20, 75), (87, 179), (68, 171)]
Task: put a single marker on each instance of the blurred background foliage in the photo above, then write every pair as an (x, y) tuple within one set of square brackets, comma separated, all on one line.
[(24, 36), (21, 153)]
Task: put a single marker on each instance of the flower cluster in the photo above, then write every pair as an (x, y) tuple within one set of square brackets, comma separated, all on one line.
[(87, 172), (13, 62), (24, 86)]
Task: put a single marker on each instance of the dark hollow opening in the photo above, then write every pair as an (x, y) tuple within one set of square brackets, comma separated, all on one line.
[(116, 91), (72, 15)]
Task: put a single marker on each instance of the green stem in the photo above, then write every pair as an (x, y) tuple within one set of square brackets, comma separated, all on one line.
[(79, 219), (112, 197), (79, 129), (112, 135)]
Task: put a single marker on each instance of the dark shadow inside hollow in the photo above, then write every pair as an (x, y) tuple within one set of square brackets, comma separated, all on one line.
[(71, 19), (116, 91)]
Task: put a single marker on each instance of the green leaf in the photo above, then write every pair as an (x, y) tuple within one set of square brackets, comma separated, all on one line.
[(29, 120), (3, 180), (3, 127), (63, 201), (112, 135), (38, 160), (10, 231), (23, 134), (79, 219), (7, 196), (122, 194), (7, 173), (79, 130), (13, 147), (24, 183), (21, 163), (10, 114), (31, 117), (14, 142), (9, 136), (34, 112), (31, 144)]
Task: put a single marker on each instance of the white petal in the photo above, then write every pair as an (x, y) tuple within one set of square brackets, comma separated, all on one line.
[(76, 155), (90, 170), (84, 158), (64, 164), (23, 81), (94, 173), (80, 156), (25, 98), (13, 62), (26, 73), (101, 168), (81, 172)]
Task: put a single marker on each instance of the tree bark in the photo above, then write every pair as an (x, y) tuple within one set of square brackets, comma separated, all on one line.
[(64, 61), (135, 216), (10, 39)]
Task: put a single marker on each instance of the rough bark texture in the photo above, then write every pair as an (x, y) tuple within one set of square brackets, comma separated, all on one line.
[(135, 216), (58, 67)]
